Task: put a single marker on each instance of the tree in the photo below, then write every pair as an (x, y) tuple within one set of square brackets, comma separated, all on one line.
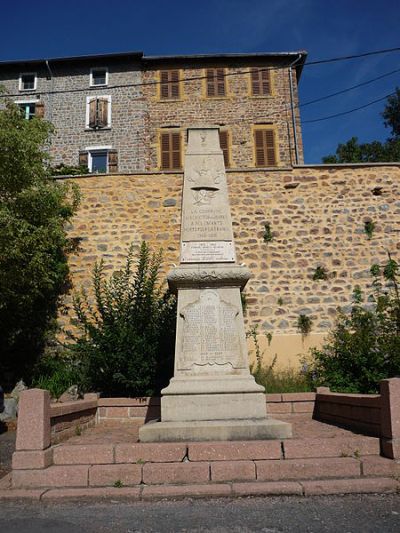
[(354, 152), (33, 242)]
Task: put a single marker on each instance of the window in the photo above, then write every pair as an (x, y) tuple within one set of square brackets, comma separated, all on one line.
[(224, 144), (31, 109), (99, 159), (98, 112), (170, 144), (27, 81), (264, 143), (215, 82), (169, 86), (98, 76), (260, 81)]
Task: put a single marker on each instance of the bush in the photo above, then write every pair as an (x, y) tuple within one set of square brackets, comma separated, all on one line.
[(56, 374), (364, 346), (127, 341)]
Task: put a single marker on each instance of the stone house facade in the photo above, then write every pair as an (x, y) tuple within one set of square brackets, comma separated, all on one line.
[(119, 112)]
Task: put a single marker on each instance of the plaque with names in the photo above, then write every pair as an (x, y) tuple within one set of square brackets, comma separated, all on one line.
[(208, 252)]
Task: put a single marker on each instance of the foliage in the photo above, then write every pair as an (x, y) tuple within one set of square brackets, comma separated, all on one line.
[(267, 235), (65, 170), (354, 152), (320, 273), (364, 346), (56, 374), (127, 340), (33, 243), (369, 228), (304, 324)]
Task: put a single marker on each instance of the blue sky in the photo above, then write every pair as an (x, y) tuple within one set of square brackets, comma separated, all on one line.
[(324, 28)]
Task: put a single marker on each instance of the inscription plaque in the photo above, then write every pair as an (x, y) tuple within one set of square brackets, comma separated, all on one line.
[(207, 252), (210, 333)]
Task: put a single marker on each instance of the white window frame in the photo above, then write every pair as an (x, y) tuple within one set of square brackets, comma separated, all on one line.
[(27, 101), (90, 149), (88, 100), (91, 81), (21, 88)]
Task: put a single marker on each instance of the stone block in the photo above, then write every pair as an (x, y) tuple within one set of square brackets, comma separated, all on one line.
[(233, 471), (303, 407), (375, 465), (21, 494), (307, 468), (274, 488), (107, 475), (337, 447), (279, 408), (234, 451), (132, 493), (33, 431), (298, 396), (155, 473), (117, 412), (390, 408), (22, 460), (349, 486), (186, 491), (83, 454), (155, 453), (54, 476)]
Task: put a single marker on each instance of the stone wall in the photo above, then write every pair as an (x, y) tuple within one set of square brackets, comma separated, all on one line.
[(316, 215), (237, 112)]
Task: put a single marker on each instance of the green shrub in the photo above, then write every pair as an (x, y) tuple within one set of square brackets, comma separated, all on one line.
[(56, 374), (127, 341), (364, 346)]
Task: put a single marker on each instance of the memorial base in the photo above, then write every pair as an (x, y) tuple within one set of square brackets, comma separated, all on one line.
[(215, 430)]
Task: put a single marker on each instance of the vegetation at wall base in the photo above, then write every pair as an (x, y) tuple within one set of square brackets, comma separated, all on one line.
[(364, 346), (33, 243), (126, 345)]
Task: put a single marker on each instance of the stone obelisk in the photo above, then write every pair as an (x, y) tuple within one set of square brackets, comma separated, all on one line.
[(212, 395)]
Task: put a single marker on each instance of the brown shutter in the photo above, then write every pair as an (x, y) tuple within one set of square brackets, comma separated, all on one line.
[(174, 76), (210, 82), (224, 143), (265, 147), (93, 113), (112, 161), (164, 89), (270, 147), (220, 80), (83, 159), (102, 112), (165, 151), (255, 82), (260, 81), (265, 81), (176, 150), (39, 109)]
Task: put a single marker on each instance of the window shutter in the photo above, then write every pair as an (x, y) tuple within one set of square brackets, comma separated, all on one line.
[(270, 147), (93, 113), (220, 80), (210, 82), (255, 82), (260, 81), (164, 91), (112, 161), (102, 112), (176, 150), (224, 144), (83, 159), (174, 75), (265, 147), (259, 144), (165, 151), (39, 110)]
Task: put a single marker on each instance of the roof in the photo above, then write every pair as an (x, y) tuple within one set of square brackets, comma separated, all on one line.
[(287, 57)]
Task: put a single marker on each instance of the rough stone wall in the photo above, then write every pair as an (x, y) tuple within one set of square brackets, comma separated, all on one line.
[(316, 215), (238, 111), (67, 110)]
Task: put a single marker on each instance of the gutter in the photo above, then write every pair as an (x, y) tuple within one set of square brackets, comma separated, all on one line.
[(296, 148)]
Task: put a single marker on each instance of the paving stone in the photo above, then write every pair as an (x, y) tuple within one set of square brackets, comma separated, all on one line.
[(272, 488), (154, 473), (184, 491), (347, 486), (83, 454), (93, 492), (17, 494), (233, 470), (155, 453), (107, 475), (307, 468), (230, 451)]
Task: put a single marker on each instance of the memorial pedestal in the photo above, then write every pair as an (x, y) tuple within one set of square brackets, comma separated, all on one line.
[(212, 395)]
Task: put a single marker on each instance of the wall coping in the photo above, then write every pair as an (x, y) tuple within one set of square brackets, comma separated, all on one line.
[(61, 409)]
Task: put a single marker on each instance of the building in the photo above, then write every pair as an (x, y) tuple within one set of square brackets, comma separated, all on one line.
[(129, 112)]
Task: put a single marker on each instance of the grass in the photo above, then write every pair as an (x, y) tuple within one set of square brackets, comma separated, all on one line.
[(285, 380)]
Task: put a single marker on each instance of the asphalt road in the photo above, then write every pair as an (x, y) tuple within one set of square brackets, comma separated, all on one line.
[(344, 514)]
